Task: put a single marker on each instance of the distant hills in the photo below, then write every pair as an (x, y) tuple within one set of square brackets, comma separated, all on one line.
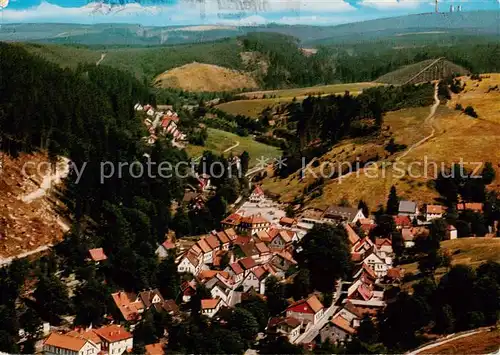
[(480, 23)]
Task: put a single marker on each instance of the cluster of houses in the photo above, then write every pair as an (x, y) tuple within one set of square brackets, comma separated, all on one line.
[(161, 122), (110, 339)]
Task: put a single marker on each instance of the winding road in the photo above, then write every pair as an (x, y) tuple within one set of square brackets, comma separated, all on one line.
[(232, 147), (103, 55)]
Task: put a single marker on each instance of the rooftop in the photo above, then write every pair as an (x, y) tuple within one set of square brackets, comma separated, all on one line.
[(65, 342)]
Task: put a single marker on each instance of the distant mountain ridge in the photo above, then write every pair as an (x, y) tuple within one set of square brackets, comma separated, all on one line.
[(470, 23)]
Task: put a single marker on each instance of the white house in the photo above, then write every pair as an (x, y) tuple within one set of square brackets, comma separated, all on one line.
[(60, 344), (164, 248), (451, 232), (256, 279), (433, 212), (116, 340), (189, 263), (377, 264), (337, 214), (290, 327), (309, 309), (257, 195), (210, 307)]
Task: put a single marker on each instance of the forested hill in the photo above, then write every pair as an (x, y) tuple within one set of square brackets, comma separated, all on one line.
[(276, 61), (87, 115)]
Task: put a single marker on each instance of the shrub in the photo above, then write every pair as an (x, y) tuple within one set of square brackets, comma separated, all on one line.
[(469, 110)]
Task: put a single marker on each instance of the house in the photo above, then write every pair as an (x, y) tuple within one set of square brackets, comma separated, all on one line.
[(377, 264), (384, 245), (189, 263), (394, 275), (256, 279), (253, 224), (283, 261), (257, 195), (59, 344), (337, 214), (154, 349), (338, 329), (451, 232), (164, 248), (206, 249), (224, 240), (363, 245), (129, 305), (219, 289), (247, 264), (402, 222), (210, 307), (232, 221), (152, 298), (433, 212), (408, 208), (280, 238), (364, 272), (306, 310), (170, 307), (286, 326), (312, 216), (188, 289), (87, 334), (408, 237), (115, 339), (351, 313), (352, 236), (235, 271), (288, 222), (473, 206), (193, 200), (213, 242), (97, 255)]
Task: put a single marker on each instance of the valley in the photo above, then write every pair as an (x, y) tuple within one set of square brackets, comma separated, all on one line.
[(230, 189)]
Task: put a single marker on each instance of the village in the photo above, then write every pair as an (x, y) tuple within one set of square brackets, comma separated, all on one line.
[(257, 242)]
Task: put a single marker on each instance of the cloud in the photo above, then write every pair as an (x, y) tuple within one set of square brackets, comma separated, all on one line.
[(392, 4), (183, 12)]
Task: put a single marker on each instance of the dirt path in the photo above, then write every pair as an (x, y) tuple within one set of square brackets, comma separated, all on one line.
[(103, 55), (232, 147), (62, 171), (428, 120)]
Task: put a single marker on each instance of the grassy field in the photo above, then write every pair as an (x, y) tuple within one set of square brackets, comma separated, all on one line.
[(313, 90), (467, 251), (205, 77), (257, 103), (482, 343), (218, 141)]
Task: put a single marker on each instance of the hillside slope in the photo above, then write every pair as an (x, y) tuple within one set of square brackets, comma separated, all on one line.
[(456, 136), (406, 73), (205, 77)]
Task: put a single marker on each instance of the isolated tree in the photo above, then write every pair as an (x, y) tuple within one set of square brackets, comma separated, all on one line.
[(243, 322), (445, 320), (362, 205), (301, 286), (275, 295), (325, 253), (392, 202), (245, 162), (90, 304), (367, 332), (488, 174), (258, 307), (52, 295), (167, 278), (290, 213)]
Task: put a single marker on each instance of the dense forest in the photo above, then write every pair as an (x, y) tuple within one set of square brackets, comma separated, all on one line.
[(286, 65)]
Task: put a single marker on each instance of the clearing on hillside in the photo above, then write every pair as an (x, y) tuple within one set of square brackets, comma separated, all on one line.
[(205, 77), (312, 90), (431, 69), (486, 342), (219, 141), (257, 103)]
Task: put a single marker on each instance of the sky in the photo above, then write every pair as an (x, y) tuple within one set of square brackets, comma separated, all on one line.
[(221, 12)]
